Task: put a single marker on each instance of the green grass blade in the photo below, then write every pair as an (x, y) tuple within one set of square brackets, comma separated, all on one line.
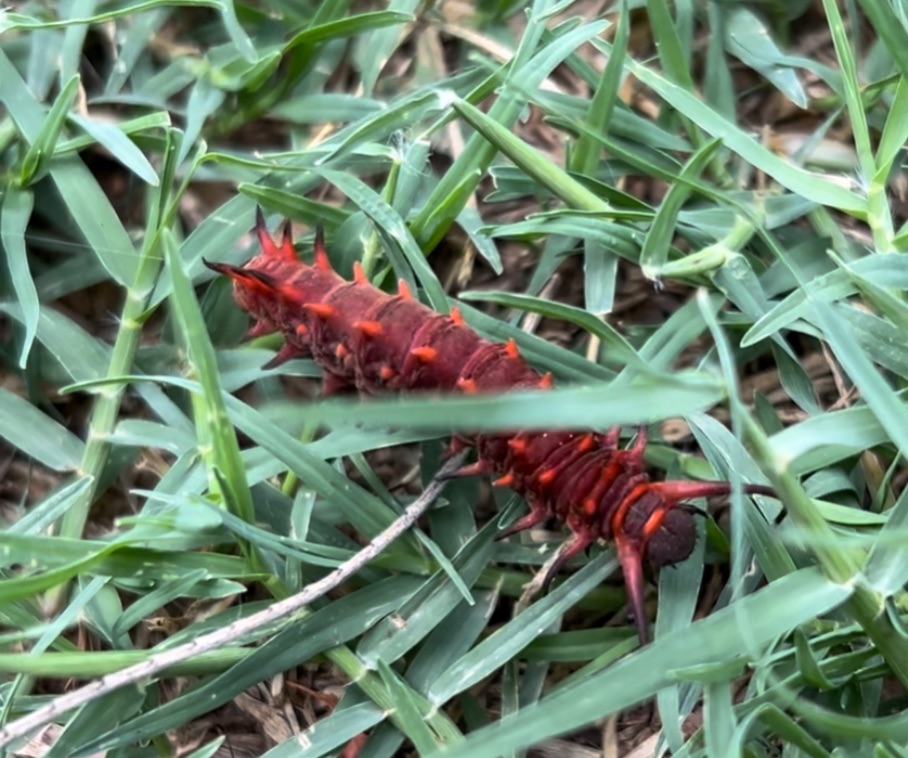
[(671, 51), (890, 27), (212, 424), (557, 181), (38, 156), (585, 155), (37, 435), (750, 40), (659, 238), (347, 27), (15, 212)]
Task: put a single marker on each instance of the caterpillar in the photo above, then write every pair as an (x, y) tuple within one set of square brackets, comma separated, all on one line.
[(375, 342)]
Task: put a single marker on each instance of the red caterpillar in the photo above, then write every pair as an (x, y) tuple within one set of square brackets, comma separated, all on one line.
[(365, 338)]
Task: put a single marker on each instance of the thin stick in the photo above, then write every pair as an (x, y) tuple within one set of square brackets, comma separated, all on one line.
[(208, 642)]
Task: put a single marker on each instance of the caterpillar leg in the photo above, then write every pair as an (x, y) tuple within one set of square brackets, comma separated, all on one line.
[(480, 468), (333, 385), (538, 514), (574, 546), (609, 440), (286, 353), (455, 446), (640, 442), (259, 329)]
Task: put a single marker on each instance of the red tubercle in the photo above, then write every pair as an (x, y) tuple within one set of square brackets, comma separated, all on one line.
[(321, 259), (403, 290), (322, 310), (266, 241), (370, 329), (508, 480), (424, 354)]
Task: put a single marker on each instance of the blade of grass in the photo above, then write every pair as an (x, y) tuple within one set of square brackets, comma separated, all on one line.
[(15, 212), (891, 30), (668, 43), (878, 208), (530, 160), (38, 156), (661, 233), (37, 435), (586, 152), (227, 476)]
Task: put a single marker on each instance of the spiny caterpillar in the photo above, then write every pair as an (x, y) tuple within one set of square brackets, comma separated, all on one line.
[(365, 338)]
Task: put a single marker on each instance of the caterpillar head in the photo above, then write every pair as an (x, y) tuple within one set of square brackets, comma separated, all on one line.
[(254, 283), (275, 277)]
